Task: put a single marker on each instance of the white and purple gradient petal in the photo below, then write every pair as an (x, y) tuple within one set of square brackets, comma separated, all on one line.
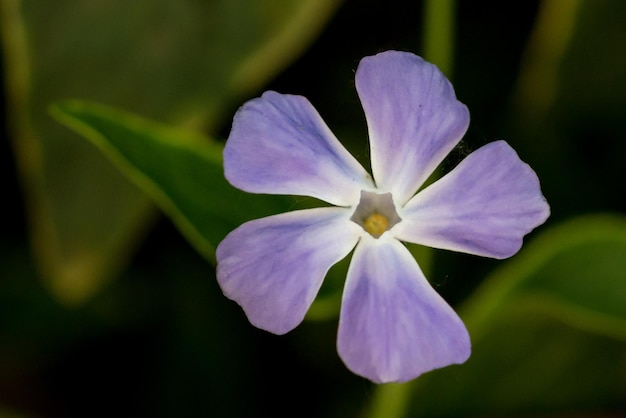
[(393, 326), (273, 267), (413, 117), (484, 206), (279, 144)]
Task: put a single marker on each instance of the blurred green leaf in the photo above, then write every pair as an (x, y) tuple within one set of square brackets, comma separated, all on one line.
[(183, 62), (181, 171), (580, 265), (569, 101), (549, 326), (548, 330)]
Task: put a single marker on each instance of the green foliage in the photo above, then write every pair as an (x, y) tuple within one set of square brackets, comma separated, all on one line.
[(181, 171), (548, 330), (548, 326), (568, 101), (184, 62)]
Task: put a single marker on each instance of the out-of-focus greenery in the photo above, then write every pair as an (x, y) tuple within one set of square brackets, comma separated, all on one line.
[(183, 62), (110, 308)]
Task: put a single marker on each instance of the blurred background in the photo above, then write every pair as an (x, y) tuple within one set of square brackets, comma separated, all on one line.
[(106, 309)]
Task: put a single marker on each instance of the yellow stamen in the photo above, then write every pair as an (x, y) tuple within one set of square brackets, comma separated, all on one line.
[(376, 224)]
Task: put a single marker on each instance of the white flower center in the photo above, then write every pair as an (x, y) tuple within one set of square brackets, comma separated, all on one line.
[(376, 213)]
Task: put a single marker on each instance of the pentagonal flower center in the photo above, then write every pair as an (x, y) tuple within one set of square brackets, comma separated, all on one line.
[(376, 213)]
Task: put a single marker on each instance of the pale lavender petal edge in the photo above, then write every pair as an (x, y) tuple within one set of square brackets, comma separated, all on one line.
[(393, 326), (273, 267), (484, 206), (413, 117), (279, 144)]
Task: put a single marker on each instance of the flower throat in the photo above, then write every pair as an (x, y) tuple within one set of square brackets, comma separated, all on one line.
[(375, 213)]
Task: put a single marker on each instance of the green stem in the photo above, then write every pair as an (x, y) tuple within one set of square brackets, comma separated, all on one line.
[(389, 401), (438, 34)]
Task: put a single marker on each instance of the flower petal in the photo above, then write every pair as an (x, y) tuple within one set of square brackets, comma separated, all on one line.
[(413, 117), (273, 267), (279, 144), (393, 325), (484, 206)]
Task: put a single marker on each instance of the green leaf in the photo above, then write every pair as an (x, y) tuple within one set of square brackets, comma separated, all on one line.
[(187, 63), (569, 101), (548, 330), (578, 265), (181, 171)]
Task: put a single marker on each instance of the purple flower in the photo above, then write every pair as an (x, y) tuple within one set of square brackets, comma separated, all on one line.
[(393, 326)]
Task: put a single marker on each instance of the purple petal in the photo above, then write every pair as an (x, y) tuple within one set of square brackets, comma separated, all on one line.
[(279, 144), (413, 117), (484, 206), (393, 325), (273, 267)]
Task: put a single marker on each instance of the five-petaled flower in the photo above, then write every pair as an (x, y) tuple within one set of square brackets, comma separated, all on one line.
[(393, 326)]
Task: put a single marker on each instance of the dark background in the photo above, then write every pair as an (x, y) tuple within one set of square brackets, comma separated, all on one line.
[(161, 341)]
